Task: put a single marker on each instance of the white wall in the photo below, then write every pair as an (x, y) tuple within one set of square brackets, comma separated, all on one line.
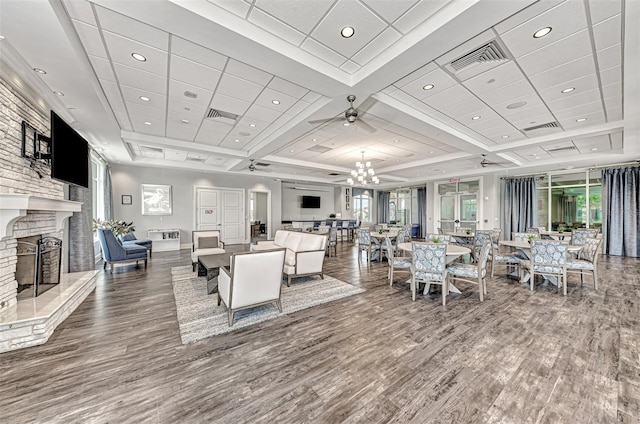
[(292, 199), (128, 180), (261, 207)]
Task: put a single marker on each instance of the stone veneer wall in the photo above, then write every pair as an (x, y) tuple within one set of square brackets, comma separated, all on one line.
[(17, 177)]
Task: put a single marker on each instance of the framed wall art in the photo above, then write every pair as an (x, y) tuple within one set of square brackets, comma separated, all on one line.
[(156, 199), (127, 199)]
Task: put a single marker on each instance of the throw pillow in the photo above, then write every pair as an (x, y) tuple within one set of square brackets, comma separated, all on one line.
[(207, 242), (128, 237)]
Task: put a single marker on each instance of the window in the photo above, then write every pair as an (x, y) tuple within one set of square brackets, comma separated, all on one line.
[(97, 188), (252, 207), (567, 201), (362, 207)]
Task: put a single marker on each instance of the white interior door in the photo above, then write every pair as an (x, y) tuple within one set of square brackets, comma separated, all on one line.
[(232, 216), (208, 209)]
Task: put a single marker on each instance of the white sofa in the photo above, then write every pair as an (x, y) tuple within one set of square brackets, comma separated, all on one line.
[(305, 252), (205, 242)]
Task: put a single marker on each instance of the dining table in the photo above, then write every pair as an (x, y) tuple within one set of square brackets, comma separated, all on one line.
[(462, 237), (555, 235), (453, 252), (525, 248), (379, 238)]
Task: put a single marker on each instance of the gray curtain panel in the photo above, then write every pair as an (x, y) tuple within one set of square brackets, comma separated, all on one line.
[(422, 211), (519, 205), (383, 206), (620, 206), (108, 195), (81, 232)]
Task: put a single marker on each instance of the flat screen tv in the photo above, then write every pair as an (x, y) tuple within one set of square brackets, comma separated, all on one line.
[(310, 202), (69, 154)]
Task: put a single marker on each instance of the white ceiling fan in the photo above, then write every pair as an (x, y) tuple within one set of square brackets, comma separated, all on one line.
[(484, 163), (351, 115)]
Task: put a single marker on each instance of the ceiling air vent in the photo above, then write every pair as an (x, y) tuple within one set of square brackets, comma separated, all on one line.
[(319, 149), (490, 52), (541, 126), (147, 149), (222, 116), (561, 149), (194, 159)]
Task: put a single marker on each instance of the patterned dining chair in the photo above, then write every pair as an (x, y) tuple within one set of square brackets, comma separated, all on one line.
[(403, 236), (429, 266), (365, 245), (587, 260), (580, 235), (548, 257), (533, 230), (481, 237), (332, 241), (473, 273), (395, 261)]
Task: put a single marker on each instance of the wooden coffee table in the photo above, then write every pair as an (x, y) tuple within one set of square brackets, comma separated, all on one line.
[(209, 266)]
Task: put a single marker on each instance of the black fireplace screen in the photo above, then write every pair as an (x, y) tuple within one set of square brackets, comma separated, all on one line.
[(38, 268)]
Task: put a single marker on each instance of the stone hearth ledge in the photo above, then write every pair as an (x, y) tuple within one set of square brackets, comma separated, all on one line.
[(15, 206), (31, 322)]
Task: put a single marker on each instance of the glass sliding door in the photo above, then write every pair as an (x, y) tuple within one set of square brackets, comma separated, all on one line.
[(458, 205)]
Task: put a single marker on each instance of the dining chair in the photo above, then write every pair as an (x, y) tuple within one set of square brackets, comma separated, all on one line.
[(587, 260), (496, 233), (429, 266), (396, 261), (403, 236), (548, 257), (533, 230), (472, 273), (332, 242), (580, 235), (508, 260), (364, 245), (480, 238)]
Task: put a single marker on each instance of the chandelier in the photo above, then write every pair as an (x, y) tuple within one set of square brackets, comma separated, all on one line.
[(363, 174)]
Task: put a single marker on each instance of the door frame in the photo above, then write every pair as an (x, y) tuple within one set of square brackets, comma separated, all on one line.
[(246, 218), (479, 202), (206, 187)]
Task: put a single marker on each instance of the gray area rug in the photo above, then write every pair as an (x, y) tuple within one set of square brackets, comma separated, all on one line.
[(199, 315)]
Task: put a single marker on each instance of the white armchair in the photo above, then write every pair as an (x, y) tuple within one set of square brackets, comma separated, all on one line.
[(254, 279), (205, 242)]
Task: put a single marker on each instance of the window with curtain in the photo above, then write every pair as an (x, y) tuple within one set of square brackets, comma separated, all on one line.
[(98, 188)]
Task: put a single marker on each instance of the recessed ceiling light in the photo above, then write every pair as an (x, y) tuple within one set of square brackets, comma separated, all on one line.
[(184, 121), (542, 32), (568, 90), (1, 37), (101, 149), (347, 32), (428, 87), (252, 125), (505, 136), (187, 108), (291, 151), (144, 99), (314, 139), (275, 102), (594, 149), (40, 71), (147, 123), (57, 93), (236, 140), (396, 141), (139, 57), (475, 118), (346, 124), (581, 119)]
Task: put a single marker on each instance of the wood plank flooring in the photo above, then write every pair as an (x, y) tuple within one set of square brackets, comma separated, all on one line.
[(378, 357)]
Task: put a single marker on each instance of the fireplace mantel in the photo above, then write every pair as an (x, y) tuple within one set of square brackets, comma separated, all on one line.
[(15, 206)]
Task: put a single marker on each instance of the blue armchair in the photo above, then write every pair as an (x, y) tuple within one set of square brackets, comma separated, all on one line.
[(114, 252), (130, 239)]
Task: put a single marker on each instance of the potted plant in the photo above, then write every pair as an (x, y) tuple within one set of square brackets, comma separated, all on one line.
[(531, 237), (332, 215), (436, 240), (117, 226), (468, 231), (561, 228)]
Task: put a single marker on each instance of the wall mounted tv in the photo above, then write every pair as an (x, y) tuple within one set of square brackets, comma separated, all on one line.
[(69, 154), (310, 202)]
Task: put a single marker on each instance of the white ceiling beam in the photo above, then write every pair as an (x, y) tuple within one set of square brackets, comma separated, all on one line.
[(152, 140)]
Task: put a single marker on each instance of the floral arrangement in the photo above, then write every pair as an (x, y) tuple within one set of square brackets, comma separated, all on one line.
[(435, 240), (117, 227)]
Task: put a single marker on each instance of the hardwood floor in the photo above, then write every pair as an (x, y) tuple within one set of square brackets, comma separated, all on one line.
[(378, 357)]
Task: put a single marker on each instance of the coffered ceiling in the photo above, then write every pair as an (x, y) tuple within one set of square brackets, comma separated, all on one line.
[(437, 83)]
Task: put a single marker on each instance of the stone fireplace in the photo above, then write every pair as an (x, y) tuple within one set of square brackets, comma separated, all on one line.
[(39, 265), (30, 321)]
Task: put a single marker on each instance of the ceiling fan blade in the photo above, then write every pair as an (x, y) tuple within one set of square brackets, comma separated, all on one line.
[(326, 121), (362, 124)]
